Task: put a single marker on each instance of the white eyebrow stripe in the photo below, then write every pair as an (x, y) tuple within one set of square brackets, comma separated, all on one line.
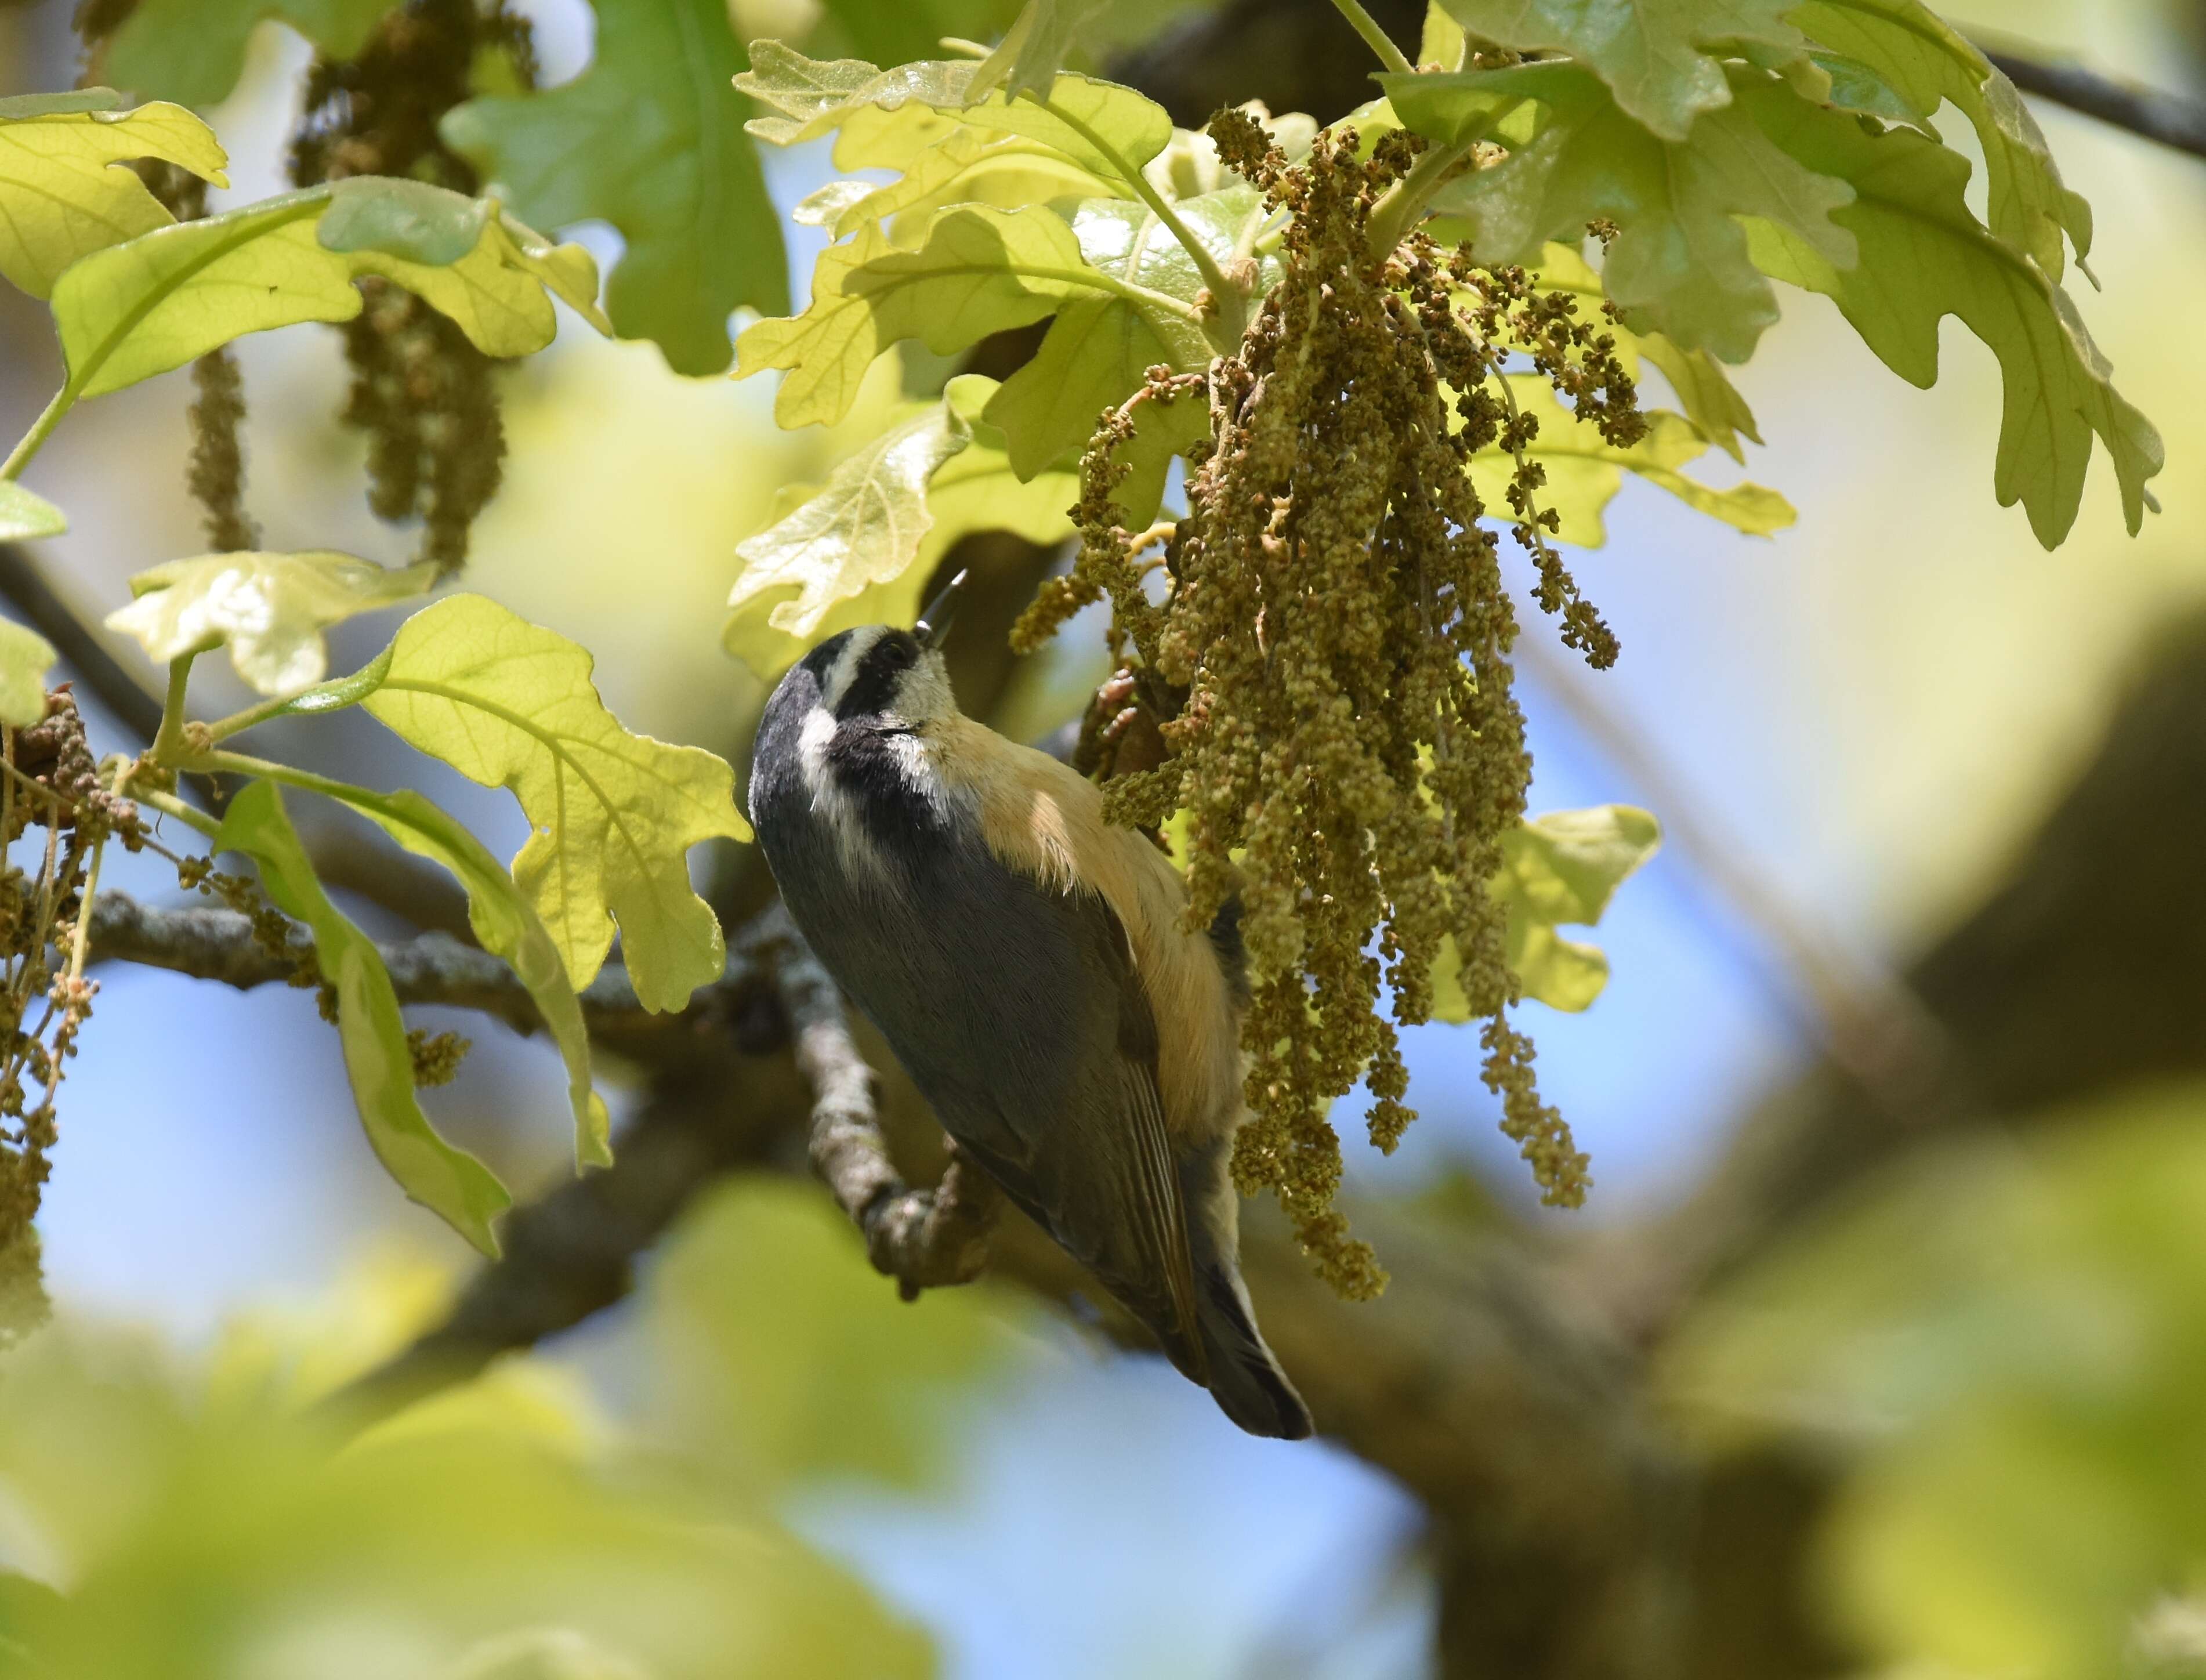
[(844, 671)]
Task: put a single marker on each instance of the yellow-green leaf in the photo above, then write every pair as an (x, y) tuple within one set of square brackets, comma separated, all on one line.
[(506, 924), (1556, 870), (1099, 347), (24, 516), (1585, 471), (967, 166), (1099, 125), (271, 609), (449, 1182), (1034, 49), (25, 657), (64, 194), (980, 271), (861, 548), (509, 705), (1925, 256), (157, 301)]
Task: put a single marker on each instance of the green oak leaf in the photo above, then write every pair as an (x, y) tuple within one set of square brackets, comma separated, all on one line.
[(1556, 870), (1097, 348), (1585, 471), (63, 195), (1925, 256), (614, 815), (25, 657), (506, 924), (1099, 125), (1680, 260), (650, 139), (980, 271), (1661, 59), (24, 516), (1712, 403), (157, 302), (1034, 49), (967, 166), (1911, 52), (449, 1182), (193, 51), (271, 609), (861, 548)]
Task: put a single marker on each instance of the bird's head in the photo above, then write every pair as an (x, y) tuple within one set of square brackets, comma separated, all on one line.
[(880, 673)]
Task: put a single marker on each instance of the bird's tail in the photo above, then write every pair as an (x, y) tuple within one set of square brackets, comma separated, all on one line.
[(1245, 1378)]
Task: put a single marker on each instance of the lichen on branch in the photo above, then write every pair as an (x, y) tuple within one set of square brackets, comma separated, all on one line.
[(1332, 648)]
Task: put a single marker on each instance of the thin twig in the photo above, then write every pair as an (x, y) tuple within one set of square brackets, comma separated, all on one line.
[(2164, 118)]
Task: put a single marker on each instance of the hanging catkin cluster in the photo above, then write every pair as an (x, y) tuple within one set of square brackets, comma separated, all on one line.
[(1331, 658), (422, 393)]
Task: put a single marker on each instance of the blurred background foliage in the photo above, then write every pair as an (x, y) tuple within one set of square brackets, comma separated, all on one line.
[(1942, 1414)]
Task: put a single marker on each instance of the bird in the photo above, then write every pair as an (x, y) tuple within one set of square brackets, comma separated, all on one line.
[(1029, 966)]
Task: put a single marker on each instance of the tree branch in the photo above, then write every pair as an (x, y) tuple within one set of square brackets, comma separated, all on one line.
[(2147, 112)]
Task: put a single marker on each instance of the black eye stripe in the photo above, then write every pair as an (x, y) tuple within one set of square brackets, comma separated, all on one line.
[(873, 684)]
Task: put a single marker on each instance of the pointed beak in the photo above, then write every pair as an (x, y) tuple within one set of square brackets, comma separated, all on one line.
[(934, 623)]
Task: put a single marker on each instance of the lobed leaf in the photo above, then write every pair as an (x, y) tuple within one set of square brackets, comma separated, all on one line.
[(1661, 60), (193, 51), (24, 516), (1099, 348), (1556, 870), (650, 139), (1034, 49), (1585, 471), (614, 815), (271, 609), (966, 166), (449, 1182), (25, 657), (506, 924), (1680, 261), (64, 194), (1906, 49), (1102, 126), (1925, 256), (158, 300), (980, 271), (861, 548)]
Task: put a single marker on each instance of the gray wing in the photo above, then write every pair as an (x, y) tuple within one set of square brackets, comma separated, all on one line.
[(1019, 1015)]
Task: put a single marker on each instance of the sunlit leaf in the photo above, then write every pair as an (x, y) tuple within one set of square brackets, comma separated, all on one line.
[(1680, 260), (271, 609), (614, 815), (1558, 870), (158, 300), (1661, 59), (193, 51), (1925, 256), (63, 195), (1097, 350), (24, 516), (1584, 472), (1912, 50), (449, 1182), (25, 657), (1099, 125), (860, 550), (980, 271), (967, 166), (650, 139), (506, 924), (1034, 49)]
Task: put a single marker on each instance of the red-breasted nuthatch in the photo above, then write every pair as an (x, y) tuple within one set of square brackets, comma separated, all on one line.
[(1027, 962)]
